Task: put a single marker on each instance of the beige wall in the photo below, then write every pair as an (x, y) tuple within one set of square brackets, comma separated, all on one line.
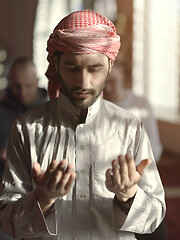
[(170, 136), (124, 26), (16, 26)]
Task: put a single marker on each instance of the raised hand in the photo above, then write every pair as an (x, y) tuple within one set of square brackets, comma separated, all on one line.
[(122, 179), (55, 182)]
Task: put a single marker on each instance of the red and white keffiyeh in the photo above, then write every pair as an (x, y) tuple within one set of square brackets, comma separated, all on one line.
[(81, 32)]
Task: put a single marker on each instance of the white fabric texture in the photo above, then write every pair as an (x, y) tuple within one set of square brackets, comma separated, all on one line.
[(51, 131), (140, 107)]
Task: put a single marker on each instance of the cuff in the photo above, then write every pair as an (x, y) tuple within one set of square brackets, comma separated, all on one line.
[(125, 206), (30, 221)]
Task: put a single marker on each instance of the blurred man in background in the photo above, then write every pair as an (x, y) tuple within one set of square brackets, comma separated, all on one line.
[(22, 94)]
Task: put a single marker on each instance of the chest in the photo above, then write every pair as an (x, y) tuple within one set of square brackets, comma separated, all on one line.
[(83, 147)]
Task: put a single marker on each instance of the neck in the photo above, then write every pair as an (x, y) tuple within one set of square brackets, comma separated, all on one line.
[(83, 115)]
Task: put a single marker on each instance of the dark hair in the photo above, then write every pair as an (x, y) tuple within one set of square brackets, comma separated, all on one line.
[(22, 62), (58, 55)]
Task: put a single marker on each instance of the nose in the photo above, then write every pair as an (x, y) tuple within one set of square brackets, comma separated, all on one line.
[(23, 92), (84, 79)]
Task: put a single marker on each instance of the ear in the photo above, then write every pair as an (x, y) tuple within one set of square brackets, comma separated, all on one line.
[(111, 63)]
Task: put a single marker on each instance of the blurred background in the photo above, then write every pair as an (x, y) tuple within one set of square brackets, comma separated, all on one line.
[(150, 38)]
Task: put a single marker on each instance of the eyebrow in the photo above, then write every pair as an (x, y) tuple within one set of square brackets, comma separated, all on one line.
[(68, 63)]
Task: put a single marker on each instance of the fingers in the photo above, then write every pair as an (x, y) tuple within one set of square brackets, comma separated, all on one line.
[(143, 165), (56, 173), (70, 181), (55, 182), (60, 177), (53, 170), (36, 171), (131, 165), (49, 172), (123, 168), (120, 170), (115, 172), (122, 179), (109, 180)]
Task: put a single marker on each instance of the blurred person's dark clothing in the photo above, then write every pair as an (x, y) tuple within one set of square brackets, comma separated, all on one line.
[(10, 109), (21, 95)]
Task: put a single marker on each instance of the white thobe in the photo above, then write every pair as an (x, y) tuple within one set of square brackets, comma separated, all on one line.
[(51, 131)]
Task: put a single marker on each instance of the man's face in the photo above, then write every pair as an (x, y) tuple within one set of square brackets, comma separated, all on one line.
[(24, 84), (83, 77)]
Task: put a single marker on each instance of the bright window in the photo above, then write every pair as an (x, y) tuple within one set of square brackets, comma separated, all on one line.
[(48, 15), (156, 52)]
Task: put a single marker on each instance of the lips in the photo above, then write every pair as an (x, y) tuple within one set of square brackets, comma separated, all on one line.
[(84, 94)]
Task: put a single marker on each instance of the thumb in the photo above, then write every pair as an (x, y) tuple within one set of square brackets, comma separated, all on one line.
[(36, 171), (143, 165)]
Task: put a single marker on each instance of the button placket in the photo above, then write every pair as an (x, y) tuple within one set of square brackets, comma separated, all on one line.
[(82, 196), (82, 147)]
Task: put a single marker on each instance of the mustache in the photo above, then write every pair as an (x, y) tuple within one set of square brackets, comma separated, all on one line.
[(79, 89)]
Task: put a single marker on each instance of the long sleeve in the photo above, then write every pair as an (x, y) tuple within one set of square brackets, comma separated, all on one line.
[(44, 134), (20, 213), (148, 208)]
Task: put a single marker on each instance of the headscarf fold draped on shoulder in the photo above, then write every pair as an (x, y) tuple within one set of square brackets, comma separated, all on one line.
[(81, 32)]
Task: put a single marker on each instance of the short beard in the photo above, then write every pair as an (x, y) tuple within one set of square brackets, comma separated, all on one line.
[(95, 94), (80, 104)]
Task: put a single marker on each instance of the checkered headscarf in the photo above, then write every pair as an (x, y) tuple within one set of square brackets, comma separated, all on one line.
[(81, 32)]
